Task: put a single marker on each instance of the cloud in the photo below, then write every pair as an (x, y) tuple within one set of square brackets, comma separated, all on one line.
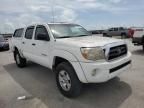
[(17, 13), (115, 1), (68, 15)]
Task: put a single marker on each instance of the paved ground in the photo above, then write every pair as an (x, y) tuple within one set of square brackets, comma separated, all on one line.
[(38, 83)]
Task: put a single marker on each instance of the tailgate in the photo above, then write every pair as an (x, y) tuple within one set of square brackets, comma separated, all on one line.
[(139, 32)]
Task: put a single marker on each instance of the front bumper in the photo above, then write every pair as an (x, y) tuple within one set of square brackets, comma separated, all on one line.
[(104, 71)]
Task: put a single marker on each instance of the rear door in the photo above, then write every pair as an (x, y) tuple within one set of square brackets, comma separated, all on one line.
[(27, 42), (110, 31), (116, 32)]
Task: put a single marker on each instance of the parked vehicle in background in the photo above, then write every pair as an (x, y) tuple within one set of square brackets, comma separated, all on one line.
[(96, 31), (138, 38), (72, 53), (4, 45), (119, 31)]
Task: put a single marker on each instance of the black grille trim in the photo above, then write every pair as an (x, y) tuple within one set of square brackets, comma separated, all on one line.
[(117, 51), (119, 67)]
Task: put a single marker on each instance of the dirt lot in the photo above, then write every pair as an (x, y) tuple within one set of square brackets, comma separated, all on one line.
[(38, 83)]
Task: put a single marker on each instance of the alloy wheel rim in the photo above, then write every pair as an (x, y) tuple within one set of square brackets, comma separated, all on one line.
[(64, 80)]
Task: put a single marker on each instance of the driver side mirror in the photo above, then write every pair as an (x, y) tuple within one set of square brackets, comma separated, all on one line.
[(43, 37)]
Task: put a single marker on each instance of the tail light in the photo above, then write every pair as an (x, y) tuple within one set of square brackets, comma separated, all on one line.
[(130, 33)]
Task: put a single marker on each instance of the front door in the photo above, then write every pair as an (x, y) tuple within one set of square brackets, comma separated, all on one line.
[(41, 45)]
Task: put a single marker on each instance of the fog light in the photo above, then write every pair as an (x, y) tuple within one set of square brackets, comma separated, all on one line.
[(93, 72)]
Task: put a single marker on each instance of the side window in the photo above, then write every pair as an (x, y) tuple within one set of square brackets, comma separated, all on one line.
[(29, 32), (18, 32), (41, 33), (111, 29), (115, 29), (121, 28)]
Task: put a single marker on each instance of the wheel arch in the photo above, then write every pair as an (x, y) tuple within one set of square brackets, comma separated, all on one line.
[(143, 39), (15, 48), (75, 65), (64, 56), (57, 60)]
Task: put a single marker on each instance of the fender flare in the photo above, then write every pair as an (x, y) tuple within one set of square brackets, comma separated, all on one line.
[(72, 59)]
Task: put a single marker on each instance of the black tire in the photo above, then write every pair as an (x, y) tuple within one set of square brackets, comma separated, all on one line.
[(104, 35), (22, 61), (76, 85), (123, 36), (143, 43)]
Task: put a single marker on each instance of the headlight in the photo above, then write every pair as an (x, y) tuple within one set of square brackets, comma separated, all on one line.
[(95, 53)]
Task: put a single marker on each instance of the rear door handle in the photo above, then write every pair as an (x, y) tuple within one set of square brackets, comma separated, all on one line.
[(33, 44), (23, 42)]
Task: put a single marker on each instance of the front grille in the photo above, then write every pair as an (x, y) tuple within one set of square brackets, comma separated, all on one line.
[(117, 51)]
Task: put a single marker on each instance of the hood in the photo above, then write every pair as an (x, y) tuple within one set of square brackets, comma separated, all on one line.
[(88, 41)]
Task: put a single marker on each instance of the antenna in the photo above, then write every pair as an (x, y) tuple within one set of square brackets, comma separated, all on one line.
[(53, 1)]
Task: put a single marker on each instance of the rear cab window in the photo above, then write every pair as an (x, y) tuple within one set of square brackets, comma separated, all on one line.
[(18, 33)]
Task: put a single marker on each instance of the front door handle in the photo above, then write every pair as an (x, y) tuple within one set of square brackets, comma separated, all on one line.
[(23, 42), (33, 44)]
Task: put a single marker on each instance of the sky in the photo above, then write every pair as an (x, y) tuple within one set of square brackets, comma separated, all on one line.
[(92, 14)]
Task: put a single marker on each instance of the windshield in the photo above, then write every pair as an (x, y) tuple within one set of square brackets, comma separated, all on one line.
[(68, 30), (1, 38)]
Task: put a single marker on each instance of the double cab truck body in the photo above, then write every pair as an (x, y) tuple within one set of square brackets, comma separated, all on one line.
[(119, 31), (72, 53)]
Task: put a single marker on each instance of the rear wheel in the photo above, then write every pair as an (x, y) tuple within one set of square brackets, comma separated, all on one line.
[(143, 43), (104, 35), (67, 80), (123, 36), (21, 62)]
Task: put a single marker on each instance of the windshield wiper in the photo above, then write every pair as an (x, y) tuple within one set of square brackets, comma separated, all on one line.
[(81, 35), (71, 36), (65, 37)]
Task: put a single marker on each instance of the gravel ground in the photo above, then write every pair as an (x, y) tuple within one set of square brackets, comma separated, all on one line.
[(38, 83)]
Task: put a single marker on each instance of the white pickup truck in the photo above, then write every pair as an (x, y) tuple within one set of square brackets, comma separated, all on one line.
[(72, 53)]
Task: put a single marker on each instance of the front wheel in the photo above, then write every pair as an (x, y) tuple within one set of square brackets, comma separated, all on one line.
[(21, 62), (123, 36), (67, 80)]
